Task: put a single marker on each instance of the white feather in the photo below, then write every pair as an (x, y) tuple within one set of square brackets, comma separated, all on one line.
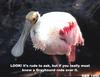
[(47, 36)]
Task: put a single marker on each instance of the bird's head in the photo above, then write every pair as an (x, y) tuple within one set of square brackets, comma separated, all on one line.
[(32, 16)]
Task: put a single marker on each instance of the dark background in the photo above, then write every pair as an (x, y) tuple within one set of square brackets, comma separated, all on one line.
[(12, 17)]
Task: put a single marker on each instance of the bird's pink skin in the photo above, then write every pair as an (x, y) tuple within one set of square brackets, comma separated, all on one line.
[(79, 40)]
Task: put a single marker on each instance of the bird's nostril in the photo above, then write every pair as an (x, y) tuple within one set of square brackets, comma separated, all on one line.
[(34, 32)]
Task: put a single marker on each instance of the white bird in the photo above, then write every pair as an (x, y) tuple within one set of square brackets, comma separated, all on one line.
[(55, 33)]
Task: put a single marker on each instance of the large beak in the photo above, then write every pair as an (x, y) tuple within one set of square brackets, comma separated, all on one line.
[(18, 49), (31, 19)]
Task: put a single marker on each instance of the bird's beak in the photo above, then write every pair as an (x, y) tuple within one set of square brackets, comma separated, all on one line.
[(31, 19), (18, 49)]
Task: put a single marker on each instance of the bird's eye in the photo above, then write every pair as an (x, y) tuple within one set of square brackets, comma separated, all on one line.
[(33, 19)]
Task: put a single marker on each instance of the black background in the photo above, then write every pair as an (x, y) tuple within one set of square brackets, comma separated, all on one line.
[(12, 17)]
